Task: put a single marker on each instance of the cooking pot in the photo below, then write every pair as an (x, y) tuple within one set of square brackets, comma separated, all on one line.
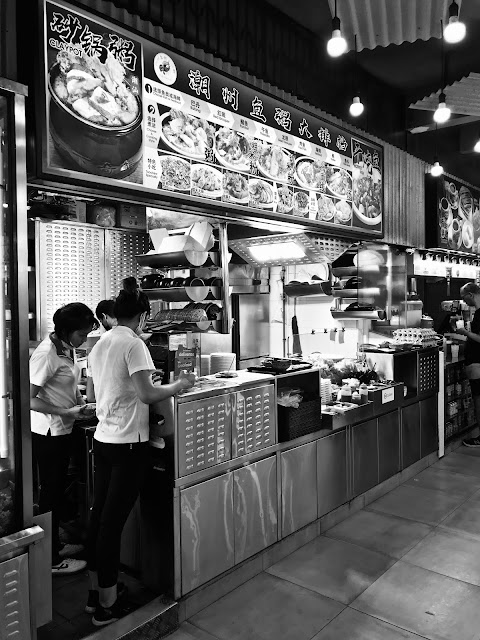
[(151, 281), (112, 152)]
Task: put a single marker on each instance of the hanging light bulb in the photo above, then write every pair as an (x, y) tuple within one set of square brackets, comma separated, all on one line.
[(436, 170), (337, 45), (477, 146), (442, 113), (455, 30), (356, 108)]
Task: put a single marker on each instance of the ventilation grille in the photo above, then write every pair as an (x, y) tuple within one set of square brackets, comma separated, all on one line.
[(121, 249), (333, 248), (70, 268)]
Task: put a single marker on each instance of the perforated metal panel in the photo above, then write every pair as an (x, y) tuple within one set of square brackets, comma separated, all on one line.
[(428, 372), (121, 247), (14, 599), (70, 267), (254, 421), (205, 434), (333, 248)]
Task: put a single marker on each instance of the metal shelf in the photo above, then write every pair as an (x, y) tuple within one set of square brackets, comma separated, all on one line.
[(186, 294)]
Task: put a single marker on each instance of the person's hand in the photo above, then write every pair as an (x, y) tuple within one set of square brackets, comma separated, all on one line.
[(78, 412), (462, 332), (187, 379)]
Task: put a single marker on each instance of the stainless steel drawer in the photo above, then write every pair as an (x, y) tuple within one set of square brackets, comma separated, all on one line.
[(204, 433), (253, 420)]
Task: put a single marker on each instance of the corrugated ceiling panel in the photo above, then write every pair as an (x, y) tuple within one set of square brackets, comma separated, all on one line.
[(403, 173), (463, 97), (379, 23)]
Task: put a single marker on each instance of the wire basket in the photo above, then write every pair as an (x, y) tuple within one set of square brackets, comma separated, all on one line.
[(293, 423)]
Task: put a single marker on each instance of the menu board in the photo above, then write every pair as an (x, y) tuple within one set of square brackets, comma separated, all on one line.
[(123, 110), (456, 213)]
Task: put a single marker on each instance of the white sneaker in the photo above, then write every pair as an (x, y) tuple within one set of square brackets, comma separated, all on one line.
[(70, 550), (68, 566)]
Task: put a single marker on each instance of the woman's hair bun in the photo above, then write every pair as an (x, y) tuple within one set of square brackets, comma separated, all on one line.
[(130, 285)]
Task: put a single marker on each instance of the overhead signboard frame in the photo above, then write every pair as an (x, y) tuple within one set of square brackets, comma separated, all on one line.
[(121, 112)]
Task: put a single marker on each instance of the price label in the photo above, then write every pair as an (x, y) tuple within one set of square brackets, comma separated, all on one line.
[(388, 395)]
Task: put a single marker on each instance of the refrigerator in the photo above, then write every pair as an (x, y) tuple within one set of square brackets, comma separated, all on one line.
[(251, 328), (25, 594)]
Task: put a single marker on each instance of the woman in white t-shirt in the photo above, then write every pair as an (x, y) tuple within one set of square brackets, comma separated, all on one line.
[(121, 368), (56, 403)]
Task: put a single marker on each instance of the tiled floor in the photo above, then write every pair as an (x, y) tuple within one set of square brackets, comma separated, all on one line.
[(406, 567), (70, 622)]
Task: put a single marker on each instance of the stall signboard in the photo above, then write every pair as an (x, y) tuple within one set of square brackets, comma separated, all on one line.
[(453, 215), (121, 110)]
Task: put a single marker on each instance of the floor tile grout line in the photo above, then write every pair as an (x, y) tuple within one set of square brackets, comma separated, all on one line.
[(443, 575), (307, 588), (417, 635), (376, 551), (194, 624), (397, 626)]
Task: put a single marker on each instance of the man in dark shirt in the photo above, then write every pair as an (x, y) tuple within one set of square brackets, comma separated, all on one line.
[(471, 295)]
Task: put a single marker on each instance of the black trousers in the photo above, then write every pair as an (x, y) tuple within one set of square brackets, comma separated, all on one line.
[(119, 474), (51, 454)]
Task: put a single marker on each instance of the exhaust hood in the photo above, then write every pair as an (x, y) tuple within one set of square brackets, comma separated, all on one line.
[(289, 249)]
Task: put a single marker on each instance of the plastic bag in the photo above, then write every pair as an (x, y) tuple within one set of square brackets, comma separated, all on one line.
[(289, 397)]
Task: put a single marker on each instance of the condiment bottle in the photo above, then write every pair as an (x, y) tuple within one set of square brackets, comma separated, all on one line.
[(346, 393), (363, 393), (356, 399)]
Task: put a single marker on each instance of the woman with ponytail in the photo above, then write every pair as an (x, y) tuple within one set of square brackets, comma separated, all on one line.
[(121, 368), (55, 404)]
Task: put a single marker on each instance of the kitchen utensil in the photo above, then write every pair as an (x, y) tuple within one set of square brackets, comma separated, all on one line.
[(297, 348)]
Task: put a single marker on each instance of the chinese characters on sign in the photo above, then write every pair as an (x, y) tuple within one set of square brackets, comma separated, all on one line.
[(324, 136), (200, 84), (257, 110), (303, 129), (282, 118), (73, 33), (230, 97)]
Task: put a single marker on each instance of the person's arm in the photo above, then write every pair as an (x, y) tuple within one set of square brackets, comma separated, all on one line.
[(472, 336), (80, 398), (149, 394), (90, 389), (36, 404)]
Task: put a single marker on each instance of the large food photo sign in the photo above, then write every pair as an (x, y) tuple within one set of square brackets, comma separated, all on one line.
[(458, 216), (93, 96), (122, 110)]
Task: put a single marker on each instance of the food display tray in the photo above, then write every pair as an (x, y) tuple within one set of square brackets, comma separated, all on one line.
[(357, 414)]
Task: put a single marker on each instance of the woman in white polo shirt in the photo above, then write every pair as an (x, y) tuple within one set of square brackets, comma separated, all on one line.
[(55, 404), (121, 368)]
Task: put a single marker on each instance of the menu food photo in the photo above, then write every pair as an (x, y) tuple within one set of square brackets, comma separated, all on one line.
[(458, 216), (124, 108)]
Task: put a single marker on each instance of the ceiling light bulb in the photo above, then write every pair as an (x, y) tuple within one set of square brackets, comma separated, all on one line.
[(337, 45), (436, 169), (442, 113), (477, 146), (455, 30), (356, 108)]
